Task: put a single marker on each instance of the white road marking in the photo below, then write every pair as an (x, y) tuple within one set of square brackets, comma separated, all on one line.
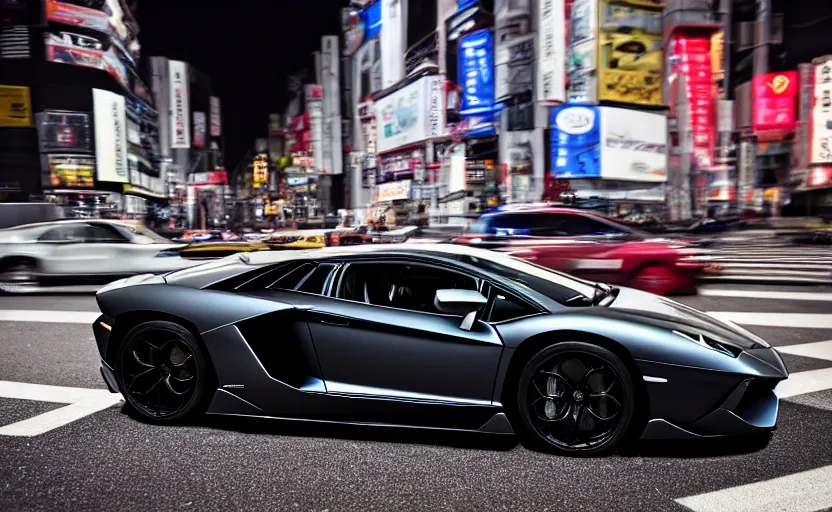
[(798, 320), (763, 294), (82, 403), (801, 383), (808, 491), (49, 317), (819, 350)]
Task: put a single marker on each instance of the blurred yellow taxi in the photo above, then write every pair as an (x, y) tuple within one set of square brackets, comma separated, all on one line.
[(211, 250), (306, 239)]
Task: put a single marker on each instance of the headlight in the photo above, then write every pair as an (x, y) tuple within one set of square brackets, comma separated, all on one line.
[(710, 343)]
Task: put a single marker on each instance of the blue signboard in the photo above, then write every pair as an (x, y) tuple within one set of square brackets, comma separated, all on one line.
[(576, 141), (464, 4), (371, 16), (476, 72)]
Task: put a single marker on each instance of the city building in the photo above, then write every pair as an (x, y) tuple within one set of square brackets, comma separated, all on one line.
[(77, 123), (191, 144)]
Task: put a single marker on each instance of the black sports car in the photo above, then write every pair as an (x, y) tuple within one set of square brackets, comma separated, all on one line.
[(435, 336)]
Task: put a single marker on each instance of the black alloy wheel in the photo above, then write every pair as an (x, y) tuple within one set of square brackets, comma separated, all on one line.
[(576, 399), (162, 372)]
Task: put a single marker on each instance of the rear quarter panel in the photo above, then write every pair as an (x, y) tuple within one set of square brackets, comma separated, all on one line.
[(205, 309)]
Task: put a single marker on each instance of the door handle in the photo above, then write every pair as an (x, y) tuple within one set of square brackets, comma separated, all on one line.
[(326, 319), (337, 323)]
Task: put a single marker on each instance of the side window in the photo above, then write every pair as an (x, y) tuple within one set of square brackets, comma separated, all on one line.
[(504, 307), (103, 234), (316, 281), (400, 285), (292, 277), (65, 233), (530, 224), (585, 226)]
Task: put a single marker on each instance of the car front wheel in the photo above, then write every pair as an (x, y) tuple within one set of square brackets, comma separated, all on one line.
[(162, 372), (575, 399)]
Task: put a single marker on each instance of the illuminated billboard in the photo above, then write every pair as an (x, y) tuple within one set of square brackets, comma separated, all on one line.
[(629, 54)]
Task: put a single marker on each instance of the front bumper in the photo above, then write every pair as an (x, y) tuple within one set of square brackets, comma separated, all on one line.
[(693, 402)]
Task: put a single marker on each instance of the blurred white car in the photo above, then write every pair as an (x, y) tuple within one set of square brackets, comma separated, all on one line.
[(84, 250)]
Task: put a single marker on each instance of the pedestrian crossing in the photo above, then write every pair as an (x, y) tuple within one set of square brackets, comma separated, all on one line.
[(769, 261), (803, 491)]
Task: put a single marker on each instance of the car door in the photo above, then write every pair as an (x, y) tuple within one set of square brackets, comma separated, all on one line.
[(70, 250), (376, 333)]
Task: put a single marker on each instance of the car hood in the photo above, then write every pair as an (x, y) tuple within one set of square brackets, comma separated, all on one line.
[(652, 309)]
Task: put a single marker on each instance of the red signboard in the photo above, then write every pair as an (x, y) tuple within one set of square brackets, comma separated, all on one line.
[(775, 101), (693, 52)]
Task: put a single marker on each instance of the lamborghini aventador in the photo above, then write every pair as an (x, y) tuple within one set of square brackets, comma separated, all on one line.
[(431, 336)]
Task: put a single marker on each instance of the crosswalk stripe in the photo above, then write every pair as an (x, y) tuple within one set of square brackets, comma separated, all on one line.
[(818, 350), (797, 320), (801, 383), (808, 491), (42, 316), (764, 294)]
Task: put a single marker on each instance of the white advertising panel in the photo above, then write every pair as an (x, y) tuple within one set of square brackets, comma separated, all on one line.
[(551, 62), (110, 136), (216, 124), (411, 115), (393, 33), (821, 123), (314, 98), (633, 145), (331, 80), (179, 105), (394, 191)]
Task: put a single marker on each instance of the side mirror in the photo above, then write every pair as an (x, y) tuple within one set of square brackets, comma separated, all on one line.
[(465, 303)]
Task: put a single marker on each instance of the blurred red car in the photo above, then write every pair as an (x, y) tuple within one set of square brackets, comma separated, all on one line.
[(592, 247)]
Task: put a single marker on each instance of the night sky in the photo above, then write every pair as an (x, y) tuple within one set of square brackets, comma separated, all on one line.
[(248, 48)]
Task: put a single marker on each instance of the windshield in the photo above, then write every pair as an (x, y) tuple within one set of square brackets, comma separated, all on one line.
[(554, 285)]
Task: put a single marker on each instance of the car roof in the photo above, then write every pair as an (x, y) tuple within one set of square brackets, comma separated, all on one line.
[(540, 209), (437, 249), (62, 222)]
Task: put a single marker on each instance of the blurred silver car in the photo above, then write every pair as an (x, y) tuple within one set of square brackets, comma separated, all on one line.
[(84, 250)]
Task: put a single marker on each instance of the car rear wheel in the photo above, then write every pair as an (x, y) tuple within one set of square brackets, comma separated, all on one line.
[(162, 372), (576, 399)]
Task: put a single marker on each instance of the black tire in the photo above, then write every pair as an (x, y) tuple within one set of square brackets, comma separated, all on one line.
[(18, 273), (162, 372), (586, 403)]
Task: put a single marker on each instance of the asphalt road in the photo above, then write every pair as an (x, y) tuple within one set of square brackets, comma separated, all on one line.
[(105, 460)]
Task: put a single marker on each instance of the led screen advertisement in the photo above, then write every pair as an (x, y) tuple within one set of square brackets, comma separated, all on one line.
[(411, 115), (63, 131), (110, 121), (775, 101), (199, 129), (576, 142), (69, 171), (629, 54), (216, 123), (690, 63), (362, 26), (476, 76), (608, 143), (84, 50)]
